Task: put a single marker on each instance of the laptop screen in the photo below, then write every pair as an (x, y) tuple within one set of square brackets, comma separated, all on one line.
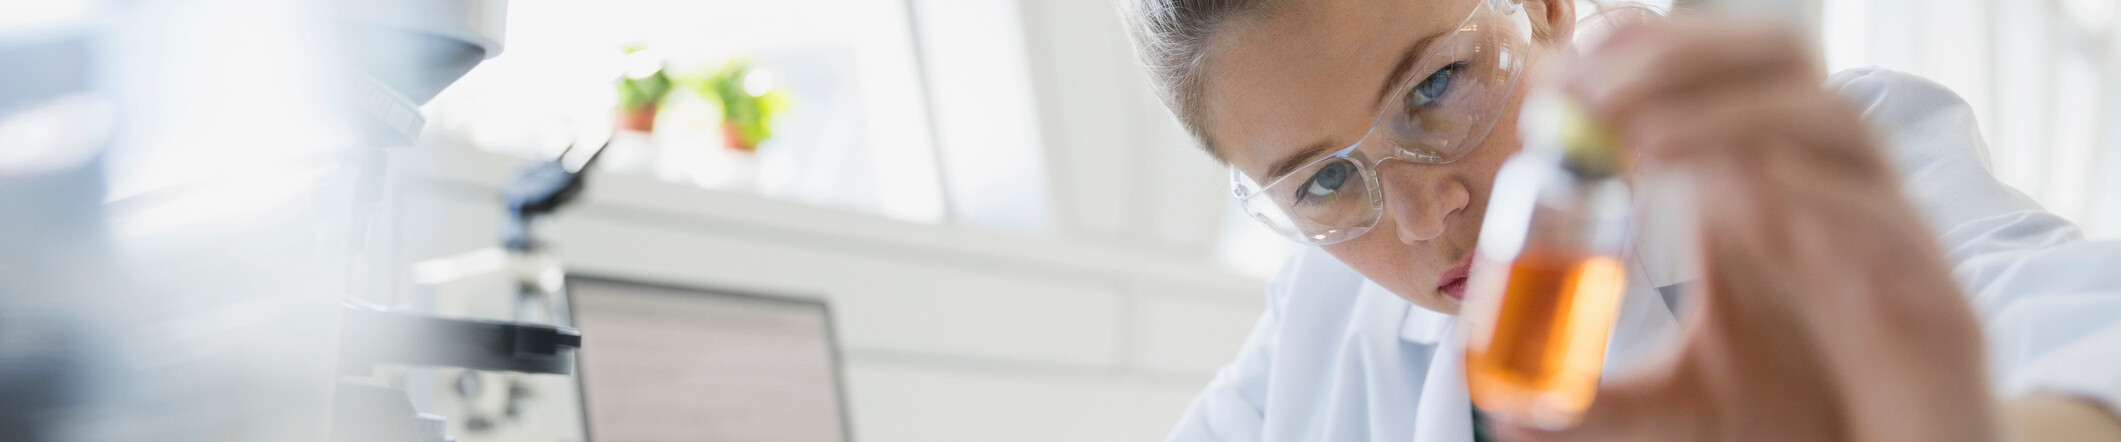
[(674, 363)]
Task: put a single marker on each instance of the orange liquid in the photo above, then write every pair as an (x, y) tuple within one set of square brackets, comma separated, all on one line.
[(1536, 356)]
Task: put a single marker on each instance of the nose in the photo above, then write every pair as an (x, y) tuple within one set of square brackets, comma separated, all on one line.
[(1420, 199)]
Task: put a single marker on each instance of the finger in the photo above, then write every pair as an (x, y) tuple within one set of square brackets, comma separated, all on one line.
[(1651, 407), (1682, 53), (1860, 281), (1645, 61), (1734, 120)]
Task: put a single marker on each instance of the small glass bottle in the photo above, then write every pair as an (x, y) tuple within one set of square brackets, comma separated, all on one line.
[(1547, 276)]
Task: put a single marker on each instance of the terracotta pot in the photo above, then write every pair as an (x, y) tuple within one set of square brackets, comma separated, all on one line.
[(734, 139), (638, 118)]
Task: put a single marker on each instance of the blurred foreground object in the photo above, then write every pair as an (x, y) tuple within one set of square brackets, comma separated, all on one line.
[(1547, 281), (199, 238)]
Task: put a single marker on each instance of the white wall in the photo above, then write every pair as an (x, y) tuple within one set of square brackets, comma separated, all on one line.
[(949, 334), (1098, 320)]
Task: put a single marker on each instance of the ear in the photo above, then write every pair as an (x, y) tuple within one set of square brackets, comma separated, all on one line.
[(1553, 21)]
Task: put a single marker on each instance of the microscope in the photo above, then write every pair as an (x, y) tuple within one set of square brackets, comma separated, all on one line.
[(199, 233)]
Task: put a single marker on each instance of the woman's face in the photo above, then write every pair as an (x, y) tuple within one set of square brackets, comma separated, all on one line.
[(1303, 79)]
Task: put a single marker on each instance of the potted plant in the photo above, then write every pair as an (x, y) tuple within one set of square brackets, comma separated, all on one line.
[(641, 89), (749, 101)]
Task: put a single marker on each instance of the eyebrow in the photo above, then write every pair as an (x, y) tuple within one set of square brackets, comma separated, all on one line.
[(1399, 69), (1406, 63), (1290, 163)]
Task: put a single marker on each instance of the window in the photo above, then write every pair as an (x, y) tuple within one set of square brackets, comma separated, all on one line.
[(2040, 76), (918, 126)]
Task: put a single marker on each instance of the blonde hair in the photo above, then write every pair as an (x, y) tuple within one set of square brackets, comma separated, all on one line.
[(1171, 39)]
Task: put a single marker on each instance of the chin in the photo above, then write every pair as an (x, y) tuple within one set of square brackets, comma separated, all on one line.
[(1433, 300)]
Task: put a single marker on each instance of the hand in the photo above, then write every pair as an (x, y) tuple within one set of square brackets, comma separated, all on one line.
[(1828, 311)]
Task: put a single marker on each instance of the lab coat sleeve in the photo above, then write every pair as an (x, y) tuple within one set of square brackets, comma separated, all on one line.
[(2050, 302), (1233, 406)]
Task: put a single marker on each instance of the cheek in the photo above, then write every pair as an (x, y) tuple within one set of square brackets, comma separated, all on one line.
[(1498, 148), (1478, 172), (1501, 143), (1408, 273), (1380, 257)]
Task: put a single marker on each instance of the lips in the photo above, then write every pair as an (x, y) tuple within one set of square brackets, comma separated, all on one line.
[(1453, 282)]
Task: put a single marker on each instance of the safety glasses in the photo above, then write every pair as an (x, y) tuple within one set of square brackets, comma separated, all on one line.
[(1444, 106)]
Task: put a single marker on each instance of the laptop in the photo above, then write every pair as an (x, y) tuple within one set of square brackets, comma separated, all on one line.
[(663, 362)]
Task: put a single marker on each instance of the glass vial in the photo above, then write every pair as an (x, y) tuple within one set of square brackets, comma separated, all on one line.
[(1547, 276)]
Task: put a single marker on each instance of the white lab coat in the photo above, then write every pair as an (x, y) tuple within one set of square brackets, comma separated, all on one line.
[(1338, 358)]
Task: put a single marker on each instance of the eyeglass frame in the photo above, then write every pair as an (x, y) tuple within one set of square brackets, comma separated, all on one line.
[(1368, 169)]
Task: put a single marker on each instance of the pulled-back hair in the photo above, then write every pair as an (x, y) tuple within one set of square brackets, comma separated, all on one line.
[(1171, 38)]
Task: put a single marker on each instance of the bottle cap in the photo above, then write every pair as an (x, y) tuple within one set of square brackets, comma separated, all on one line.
[(1555, 120)]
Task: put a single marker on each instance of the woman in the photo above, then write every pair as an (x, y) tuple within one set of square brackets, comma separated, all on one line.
[(1827, 306)]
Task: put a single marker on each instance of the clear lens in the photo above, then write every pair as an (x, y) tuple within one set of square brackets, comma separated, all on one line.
[(1446, 105), (1327, 201), (1454, 94)]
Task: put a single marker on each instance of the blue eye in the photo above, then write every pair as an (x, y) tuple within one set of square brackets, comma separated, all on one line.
[(1326, 182), (1423, 94)]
